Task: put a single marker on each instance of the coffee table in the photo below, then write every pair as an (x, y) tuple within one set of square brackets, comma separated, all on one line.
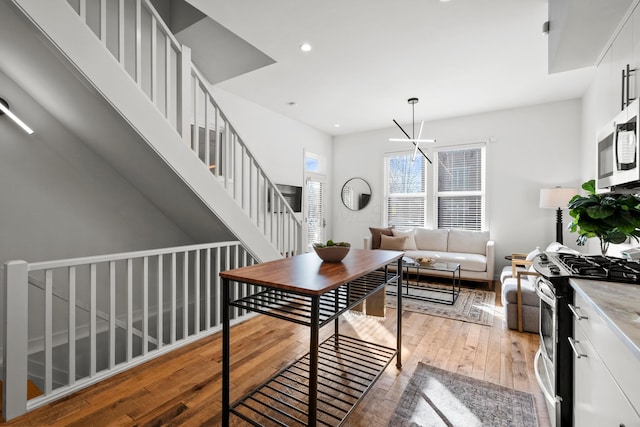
[(449, 296)]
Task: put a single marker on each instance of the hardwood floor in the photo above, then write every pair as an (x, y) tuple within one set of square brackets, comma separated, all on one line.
[(183, 388)]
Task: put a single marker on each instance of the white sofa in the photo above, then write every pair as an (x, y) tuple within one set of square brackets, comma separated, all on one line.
[(473, 250)]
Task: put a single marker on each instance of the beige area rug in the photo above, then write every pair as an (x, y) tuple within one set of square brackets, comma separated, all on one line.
[(472, 305), (435, 397)]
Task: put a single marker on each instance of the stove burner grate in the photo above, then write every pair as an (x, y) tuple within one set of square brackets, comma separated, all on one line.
[(601, 268)]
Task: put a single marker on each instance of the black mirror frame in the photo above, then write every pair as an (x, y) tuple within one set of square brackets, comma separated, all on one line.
[(363, 201)]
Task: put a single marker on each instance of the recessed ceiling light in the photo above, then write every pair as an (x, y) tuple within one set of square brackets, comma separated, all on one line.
[(337, 125), (291, 104), (305, 47)]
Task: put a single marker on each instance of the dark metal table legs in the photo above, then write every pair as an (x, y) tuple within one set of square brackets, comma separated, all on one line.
[(399, 317), (313, 361), (225, 352)]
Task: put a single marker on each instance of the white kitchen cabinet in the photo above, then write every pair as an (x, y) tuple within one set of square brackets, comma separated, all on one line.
[(597, 398), (611, 87), (622, 59), (606, 372), (635, 77), (608, 104)]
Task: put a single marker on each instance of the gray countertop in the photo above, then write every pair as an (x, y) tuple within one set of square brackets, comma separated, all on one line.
[(619, 305)]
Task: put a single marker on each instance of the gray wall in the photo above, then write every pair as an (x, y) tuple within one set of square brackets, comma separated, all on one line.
[(60, 200)]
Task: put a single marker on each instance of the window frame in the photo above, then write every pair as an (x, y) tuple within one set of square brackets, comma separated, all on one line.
[(482, 193), (431, 192), (423, 195)]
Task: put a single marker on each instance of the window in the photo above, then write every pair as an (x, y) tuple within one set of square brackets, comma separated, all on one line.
[(405, 190), (311, 163), (454, 197), (460, 195)]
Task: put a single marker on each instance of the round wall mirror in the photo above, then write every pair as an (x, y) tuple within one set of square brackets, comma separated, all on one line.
[(356, 194)]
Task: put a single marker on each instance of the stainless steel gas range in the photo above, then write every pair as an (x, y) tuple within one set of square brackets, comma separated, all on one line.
[(554, 359)]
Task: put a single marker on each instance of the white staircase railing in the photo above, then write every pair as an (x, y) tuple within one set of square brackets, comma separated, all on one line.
[(141, 305), (136, 35)]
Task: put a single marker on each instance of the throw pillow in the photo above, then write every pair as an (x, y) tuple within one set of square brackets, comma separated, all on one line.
[(534, 253), (410, 244), (392, 243), (554, 247), (376, 233)]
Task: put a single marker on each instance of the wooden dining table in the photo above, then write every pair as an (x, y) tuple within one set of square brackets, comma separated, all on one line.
[(305, 290)]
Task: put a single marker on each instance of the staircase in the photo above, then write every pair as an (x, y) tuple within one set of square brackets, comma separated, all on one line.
[(151, 82), (98, 316)]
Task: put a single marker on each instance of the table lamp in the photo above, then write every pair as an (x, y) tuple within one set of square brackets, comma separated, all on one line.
[(557, 198)]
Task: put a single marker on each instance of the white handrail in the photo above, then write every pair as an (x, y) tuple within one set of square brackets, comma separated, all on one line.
[(255, 198), (170, 294), (182, 94), (138, 304)]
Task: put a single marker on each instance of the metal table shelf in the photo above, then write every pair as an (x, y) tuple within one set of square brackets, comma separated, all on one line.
[(323, 386), (297, 308), (347, 368)]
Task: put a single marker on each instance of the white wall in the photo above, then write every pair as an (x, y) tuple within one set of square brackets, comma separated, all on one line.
[(278, 142), (534, 147), (591, 123), (59, 199)]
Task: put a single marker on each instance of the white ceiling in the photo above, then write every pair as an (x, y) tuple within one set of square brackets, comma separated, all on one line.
[(369, 56)]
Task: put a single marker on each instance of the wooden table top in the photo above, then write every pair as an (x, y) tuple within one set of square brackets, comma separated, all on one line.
[(308, 274)]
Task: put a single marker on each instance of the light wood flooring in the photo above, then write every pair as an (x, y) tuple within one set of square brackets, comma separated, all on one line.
[(184, 387)]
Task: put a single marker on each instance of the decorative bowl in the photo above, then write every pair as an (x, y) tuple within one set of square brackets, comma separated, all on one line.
[(425, 261), (332, 253)]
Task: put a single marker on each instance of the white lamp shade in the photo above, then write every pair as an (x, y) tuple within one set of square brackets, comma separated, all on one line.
[(558, 197)]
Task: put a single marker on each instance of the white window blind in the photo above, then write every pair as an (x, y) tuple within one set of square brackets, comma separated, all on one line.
[(405, 190), (461, 195), (315, 211)]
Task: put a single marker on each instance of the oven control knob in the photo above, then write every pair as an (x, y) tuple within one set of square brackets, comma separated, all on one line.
[(554, 270), (543, 257)]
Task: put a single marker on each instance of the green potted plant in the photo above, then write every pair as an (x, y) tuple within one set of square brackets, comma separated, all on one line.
[(611, 217)]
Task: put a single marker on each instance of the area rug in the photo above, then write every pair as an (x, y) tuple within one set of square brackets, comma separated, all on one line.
[(472, 305), (435, 397)]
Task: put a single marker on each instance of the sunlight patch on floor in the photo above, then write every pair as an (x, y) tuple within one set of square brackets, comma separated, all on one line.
[(449, 409)]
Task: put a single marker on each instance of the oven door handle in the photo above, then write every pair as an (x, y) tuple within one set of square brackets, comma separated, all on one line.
[(551, 399)]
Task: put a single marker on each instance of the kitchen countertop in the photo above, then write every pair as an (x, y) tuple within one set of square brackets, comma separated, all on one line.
[(619, 305)]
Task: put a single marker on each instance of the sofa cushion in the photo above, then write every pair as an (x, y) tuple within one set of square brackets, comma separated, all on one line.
[(392, 243), (468, 262), (466, 241), (510, 292), (410, 243), (431, 240), (376, 233)]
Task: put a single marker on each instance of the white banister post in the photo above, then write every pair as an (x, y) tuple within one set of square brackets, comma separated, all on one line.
[(14, 370), (184, 95), (298, 250)]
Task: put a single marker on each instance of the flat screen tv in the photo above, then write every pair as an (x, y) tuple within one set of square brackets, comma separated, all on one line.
[(293, 195)]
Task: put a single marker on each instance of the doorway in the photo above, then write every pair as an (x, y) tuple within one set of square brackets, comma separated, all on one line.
[(315, 220)]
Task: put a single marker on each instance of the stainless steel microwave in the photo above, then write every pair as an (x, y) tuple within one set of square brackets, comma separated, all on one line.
[(618, 150)]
